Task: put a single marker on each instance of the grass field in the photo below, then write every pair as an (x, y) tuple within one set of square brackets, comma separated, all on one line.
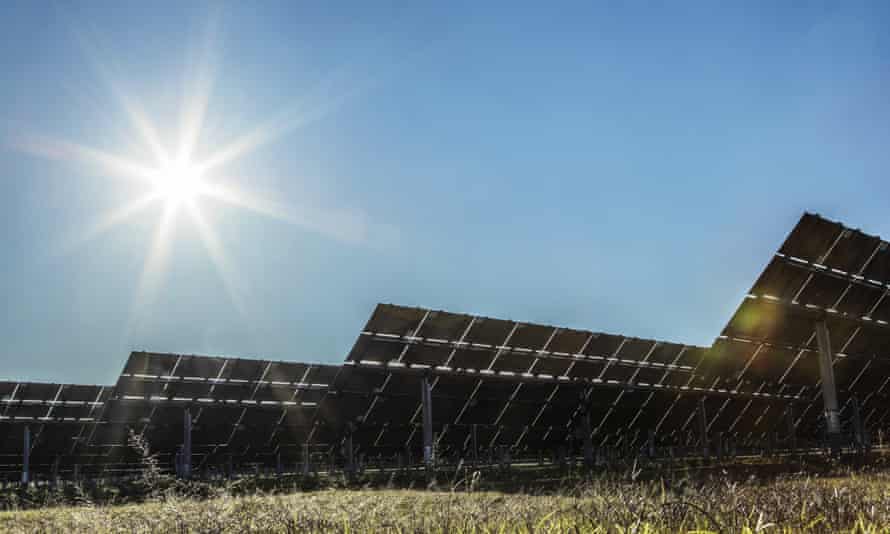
[(855, 503)]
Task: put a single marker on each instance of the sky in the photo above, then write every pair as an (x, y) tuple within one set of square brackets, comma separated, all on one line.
[(619, 167)]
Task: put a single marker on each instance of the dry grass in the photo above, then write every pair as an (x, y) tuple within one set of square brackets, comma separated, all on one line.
[(858, 503)]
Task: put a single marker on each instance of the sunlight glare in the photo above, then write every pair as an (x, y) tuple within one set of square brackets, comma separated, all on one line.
[(179, 182)]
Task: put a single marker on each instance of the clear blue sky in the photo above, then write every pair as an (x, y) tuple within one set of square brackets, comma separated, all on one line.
[(619, 168)]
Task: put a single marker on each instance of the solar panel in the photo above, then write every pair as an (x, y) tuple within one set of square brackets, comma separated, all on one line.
[(826, 272), (522, 383), (57, 417), (251, 409)]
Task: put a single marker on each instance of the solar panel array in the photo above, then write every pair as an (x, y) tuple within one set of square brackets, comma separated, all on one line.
[(496, 384), (823, 271), (521, 385), (60, 417), (253, 409)]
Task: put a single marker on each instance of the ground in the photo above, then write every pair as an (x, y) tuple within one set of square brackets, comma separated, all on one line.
[(715, 503)]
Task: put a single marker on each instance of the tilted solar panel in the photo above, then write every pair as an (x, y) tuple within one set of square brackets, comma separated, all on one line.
[(251, 409), (824, 272), (56, 417), (481, 368)]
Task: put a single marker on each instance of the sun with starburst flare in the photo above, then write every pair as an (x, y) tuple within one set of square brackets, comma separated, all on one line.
[(181, 182)]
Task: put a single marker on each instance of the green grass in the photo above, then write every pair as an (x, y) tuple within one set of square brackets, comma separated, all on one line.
[(856, 503)]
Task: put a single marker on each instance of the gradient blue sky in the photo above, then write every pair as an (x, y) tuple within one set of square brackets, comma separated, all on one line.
[(606, 166)]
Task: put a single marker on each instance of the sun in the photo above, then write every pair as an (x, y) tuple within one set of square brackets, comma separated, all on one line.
[(187, 181), (180, 182)]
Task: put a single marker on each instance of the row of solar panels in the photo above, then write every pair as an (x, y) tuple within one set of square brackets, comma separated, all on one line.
[(257, 409), (261, 415), (500, 383)]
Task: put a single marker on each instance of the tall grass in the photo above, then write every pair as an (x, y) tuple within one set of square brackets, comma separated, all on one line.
[(855, 503)]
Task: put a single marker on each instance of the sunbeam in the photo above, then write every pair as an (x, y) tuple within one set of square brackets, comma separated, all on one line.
[(196, 96), (145, 127), (237, 197), (110, 164), (218, 256), (155, 262), (327, 97), (134, 112), (111, 219), (341, 225)]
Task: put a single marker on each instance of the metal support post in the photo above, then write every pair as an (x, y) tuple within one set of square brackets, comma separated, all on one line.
[(829, 389), (307, 468), (650, 443), (186, 471), (792, 431), (279, 467), (56, 461), (427, 402), (561, 457), (26, 456), (858, 434), (475, 447), (349, 454), (587, 439), (703, 428)]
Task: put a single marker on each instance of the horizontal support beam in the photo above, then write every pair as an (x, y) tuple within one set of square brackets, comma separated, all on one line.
[(812, 267), (507, 350), (798, 348), (468, 426), (527, 378), (9, 403), (9, 419), (166, 380), (232, 403), (439, 397), (817, 313)]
